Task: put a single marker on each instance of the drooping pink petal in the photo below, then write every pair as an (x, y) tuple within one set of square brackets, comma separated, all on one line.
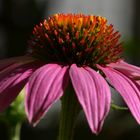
[(122, 65), (5, 63), (130, 70), (93, 94), (127, 89), (45, 87), (12, 80)]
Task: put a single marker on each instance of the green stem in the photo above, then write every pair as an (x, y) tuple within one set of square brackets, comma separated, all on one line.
[(15, 132), (69, 113)]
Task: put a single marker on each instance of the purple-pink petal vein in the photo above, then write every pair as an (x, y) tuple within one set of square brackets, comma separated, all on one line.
[(45, 86), (127, 89), (93, 94), (12, 80)]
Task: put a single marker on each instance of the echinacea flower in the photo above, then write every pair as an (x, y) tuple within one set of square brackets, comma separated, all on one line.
[(76, 48)]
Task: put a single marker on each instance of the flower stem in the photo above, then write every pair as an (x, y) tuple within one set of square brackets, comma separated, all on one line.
[(69, 113), (15, 132)]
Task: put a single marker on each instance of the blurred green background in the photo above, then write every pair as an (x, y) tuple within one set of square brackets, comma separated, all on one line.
[(17, 19)]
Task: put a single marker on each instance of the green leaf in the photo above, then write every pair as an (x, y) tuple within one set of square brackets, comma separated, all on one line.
[(117, 107)]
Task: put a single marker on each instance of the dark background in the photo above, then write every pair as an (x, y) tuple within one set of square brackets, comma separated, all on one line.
[(17, 19)]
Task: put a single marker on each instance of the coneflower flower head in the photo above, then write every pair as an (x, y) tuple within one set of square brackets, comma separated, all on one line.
[(83, 50), (84, 40)]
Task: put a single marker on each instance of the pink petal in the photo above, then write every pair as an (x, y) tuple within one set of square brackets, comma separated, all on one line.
[(14, 60), (127, 88), (125, 66), (128, 69), (45, 87), (12, 80), (93, 94)]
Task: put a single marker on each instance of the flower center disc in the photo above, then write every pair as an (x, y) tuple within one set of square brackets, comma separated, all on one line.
[(76, 38)]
